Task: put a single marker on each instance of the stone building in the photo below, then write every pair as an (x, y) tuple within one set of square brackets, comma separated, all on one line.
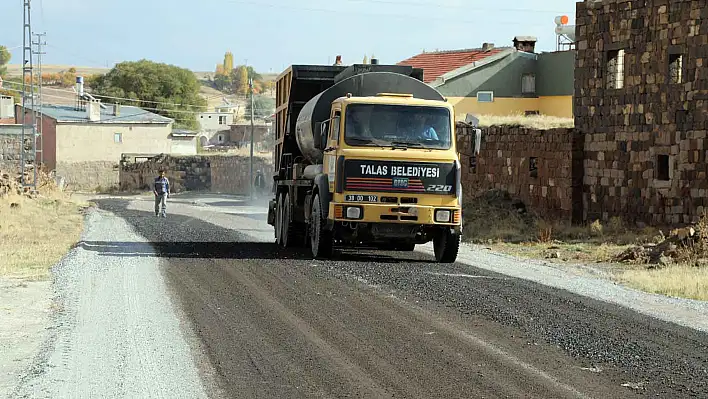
[(641, 97)]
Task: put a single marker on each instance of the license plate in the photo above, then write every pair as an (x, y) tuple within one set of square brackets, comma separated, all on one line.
[(400, 182), (361, 198)]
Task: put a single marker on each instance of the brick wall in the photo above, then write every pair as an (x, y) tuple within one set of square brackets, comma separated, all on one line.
[(645, 139), (215, 173), (537, 166)]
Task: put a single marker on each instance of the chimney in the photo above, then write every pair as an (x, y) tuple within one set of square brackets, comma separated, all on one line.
[(116, 110), (487, 46), (93, 110), (525, 43), (338, 61)]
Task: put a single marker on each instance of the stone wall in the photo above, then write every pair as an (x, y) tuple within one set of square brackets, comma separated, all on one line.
[(230, 174), (213, 173), (186, 173), (10, 151), (645, 138), (543, 168)]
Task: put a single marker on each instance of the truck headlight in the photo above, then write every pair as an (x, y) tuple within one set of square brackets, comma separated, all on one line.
[(443, 216), (353, 212)]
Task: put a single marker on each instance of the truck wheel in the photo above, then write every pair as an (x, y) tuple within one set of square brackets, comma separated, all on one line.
[(446, 246), (320, 238), (288, 232)]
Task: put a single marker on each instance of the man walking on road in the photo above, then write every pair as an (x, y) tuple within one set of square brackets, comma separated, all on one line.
[(161, 190)]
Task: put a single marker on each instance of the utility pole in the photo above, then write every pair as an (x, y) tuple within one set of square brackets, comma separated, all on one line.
[(250, 86), (27, 74), (40, 125)]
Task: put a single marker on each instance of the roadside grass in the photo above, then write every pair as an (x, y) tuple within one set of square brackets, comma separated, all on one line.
[(679, 280), (504, 225), (540, 122), (36, 233)]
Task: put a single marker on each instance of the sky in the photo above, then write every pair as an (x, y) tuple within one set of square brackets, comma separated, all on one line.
[(272, 34)]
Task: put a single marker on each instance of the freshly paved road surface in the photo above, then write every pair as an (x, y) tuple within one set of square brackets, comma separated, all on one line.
[(276, 323), (262, 322)]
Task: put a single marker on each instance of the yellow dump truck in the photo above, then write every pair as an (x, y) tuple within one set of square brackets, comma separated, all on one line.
[(365, 157)]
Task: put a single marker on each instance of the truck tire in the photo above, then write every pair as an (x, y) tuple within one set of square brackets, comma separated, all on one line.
[(289, 236), (446, 246), (320, 238)]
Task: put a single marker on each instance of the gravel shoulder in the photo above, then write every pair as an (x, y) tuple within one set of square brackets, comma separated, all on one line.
[(115, 332)]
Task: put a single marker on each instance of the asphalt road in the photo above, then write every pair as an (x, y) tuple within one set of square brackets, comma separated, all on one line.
[(277, 324)]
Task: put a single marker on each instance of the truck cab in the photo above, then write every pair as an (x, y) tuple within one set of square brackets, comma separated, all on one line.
[(381, 171)]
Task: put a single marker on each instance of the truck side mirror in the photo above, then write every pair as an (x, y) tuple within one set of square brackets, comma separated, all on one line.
[(322, 140)]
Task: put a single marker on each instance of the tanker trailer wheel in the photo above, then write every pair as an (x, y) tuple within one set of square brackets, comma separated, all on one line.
[(320, 238), (446, 246), (288, 232)]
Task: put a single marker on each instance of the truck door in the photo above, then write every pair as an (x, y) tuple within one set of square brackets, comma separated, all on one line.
[(330, 154)]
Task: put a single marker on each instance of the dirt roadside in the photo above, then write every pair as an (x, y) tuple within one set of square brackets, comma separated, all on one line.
[(35, 233)]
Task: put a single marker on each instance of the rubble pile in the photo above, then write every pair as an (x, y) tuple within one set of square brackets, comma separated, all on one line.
[(11, 184), (688, 243)]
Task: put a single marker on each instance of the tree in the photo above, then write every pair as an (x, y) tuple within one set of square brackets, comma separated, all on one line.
[(228, 61), (151, 85), (5, 57), (263, 107), (240, 80)]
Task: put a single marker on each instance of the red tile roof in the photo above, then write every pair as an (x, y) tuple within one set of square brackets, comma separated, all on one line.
[(436, 64)]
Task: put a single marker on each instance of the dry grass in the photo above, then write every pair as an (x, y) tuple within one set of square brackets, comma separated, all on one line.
[(681, 280), (36, 233), (540, 122), (504, 226)]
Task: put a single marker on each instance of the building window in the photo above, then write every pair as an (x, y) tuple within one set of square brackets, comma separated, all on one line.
[(528, 83), (117, 137), (663, 167), (615, 69), (485, 96), (222, 120), (220, 138), (675, 68), (533, 167)]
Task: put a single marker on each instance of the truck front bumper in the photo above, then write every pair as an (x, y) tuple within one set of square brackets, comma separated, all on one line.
[(392, 213)]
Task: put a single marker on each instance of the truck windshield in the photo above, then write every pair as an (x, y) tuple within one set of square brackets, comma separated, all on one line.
[(397, 125)]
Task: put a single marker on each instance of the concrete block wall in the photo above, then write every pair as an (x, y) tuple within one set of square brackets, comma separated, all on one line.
[(88, 175), (543, 168), (645, 140)]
